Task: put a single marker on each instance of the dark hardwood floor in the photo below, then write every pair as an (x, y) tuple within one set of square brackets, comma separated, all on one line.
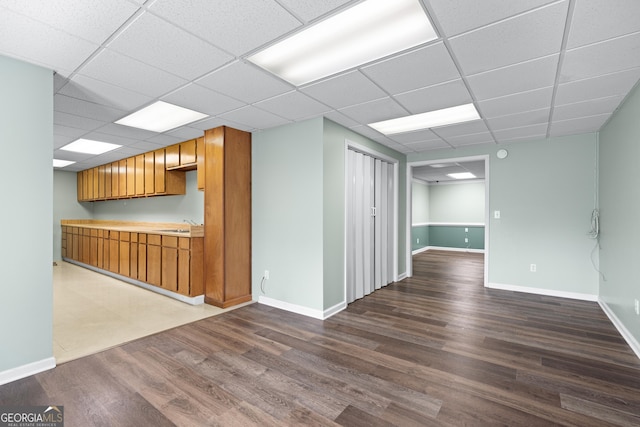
[(437, 349)]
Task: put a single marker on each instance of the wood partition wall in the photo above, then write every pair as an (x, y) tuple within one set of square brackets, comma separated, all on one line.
[(227, 216)]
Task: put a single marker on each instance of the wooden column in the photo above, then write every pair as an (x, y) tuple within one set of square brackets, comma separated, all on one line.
[(227, 217)]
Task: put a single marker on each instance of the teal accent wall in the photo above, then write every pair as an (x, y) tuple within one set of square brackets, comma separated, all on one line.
[(619, 212), (419, 237), (26, 130), (66, 206), (448, 236), (545, 192)]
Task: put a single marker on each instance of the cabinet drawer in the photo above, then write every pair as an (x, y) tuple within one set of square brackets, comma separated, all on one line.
[(154, 239), (184, 243), (125, 236), (170, 241)]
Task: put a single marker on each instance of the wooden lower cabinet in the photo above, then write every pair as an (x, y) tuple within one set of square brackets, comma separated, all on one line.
[(114, 251), (133, 256), (154, 259), (170, 263), (124, 260), (142, 257)]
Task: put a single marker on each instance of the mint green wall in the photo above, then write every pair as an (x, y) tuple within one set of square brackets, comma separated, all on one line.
[(26, 130), (457, 203), (419, 202), (447, 236), (619, 212), (287, 213), (66, 206), (545, 192)]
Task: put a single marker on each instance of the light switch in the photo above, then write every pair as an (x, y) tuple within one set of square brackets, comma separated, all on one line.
[(496, 214)]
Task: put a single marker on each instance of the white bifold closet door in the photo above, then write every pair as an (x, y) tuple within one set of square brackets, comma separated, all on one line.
[(369, 224)]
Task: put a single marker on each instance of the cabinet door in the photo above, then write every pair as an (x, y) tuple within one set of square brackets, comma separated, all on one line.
[(124, 261), (101, 181), (86, 188), (107, 181), (188, 152), (96, 182), (86, 246), (63, 241), (131, 176), (122, 180), (142, 257), (114, 251), (100, 250), (154, 260), (93, 247), (133, 256), (115, 180), (170, 263), (139, 175), (159, 157), (75, 244), (172, 159), (79, 186), (200, 160), (149, 173)]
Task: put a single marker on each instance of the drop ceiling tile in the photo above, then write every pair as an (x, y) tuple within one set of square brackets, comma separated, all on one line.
[(341, 119), (91, 20), (417, 136), (203, 100), (61, 140), (212, 122), (427, 145), (522, 77), (164, 139), (368, 132), (597, 20), (344, 90), (458, 16), (475, 139), (308, 10), (435, 97), (417, 69), (92, 90), (185, 133), (113, 139), (526, 132), (41, 44), (59, 81), (254, 117), (78, 122), (375, 111), (516, 103), (146, 146), (70, 155), (244, 82), (170, 48), (593, 107), (520, 119), (68, 131), (601, 58), (293, 106), (126, 131), (119, 70), (237, 27), (468, 128), (597, 87), (579, 125), (525, 37), (82, 108)]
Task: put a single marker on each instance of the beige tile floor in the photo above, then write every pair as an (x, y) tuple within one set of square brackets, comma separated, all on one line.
[(93, 312)]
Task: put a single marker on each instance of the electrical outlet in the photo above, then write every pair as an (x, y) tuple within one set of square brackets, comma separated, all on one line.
[(417, 240), (637, 308), (466, 230), (533, 268), (466, 240), (266, 274), (496, 214)]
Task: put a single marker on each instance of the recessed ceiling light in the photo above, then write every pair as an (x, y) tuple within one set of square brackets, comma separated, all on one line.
[(431, 119), (441, 165), (161, 117), (61, 163), (89, 146), (461, 175), (363, 33)]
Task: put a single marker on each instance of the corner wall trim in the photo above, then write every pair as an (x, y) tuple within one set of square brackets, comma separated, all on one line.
[(546, 292), (628, 337), (27, 370), (305, 311)]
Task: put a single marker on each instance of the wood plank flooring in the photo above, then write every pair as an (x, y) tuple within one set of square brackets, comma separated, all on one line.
[(435, 350)]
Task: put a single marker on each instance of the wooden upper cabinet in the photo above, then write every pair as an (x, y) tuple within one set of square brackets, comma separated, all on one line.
[(200, 158), (122, 181), (96, 181), (159, 156), (140, 172), (172, 159), (107, 181), (131, 176), (188, 153), (149, 173), (101, 180), (115, 180), (79, 186)]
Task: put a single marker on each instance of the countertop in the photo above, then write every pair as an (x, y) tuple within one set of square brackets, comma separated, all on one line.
[(165, 228)]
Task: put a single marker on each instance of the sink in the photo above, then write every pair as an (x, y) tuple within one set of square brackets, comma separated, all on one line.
[(175, 230)]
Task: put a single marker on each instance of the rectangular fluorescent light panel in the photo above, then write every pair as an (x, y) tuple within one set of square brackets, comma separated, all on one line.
[(363, 33), (88, 146), (61, 163), (461, 175), (431, 119), (161, 117)]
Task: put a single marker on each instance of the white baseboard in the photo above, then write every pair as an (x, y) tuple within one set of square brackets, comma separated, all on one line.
[(444, 248), (417, 251), (27, 370), (628, 337), (305, 311), (401, 277), (546, 292), (197, 300)]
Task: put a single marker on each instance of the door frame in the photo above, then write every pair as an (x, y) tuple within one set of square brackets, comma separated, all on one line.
[(409, 186), (348, 144)]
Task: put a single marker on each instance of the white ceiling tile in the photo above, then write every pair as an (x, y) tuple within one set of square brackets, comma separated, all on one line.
[(95, 91), (41, 44), (368, 132), (146, 146), (170, 49), (212, 122), (592, 107), (70, 155), (74, 121), (254, 117), (457, 16), (119, 70), (597, 87), (427, 145), (92, 20), (186, 132), (59, 81), (579, 125), (516, 103), (61, 140), (520, 119), (341, 119), (521, 77), (237, 27), (474, 139), (602, 58), (417, 136), (164, 139), (375, 111), (113, 139), (293, 106), (528, 36), (526, 132), (435, 97), (126, 131), (308, 10), (344, 90), (597, 20), (82, 108), (203, 100), (460, 129), (71, 132), (244, 82), (423, 67)]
